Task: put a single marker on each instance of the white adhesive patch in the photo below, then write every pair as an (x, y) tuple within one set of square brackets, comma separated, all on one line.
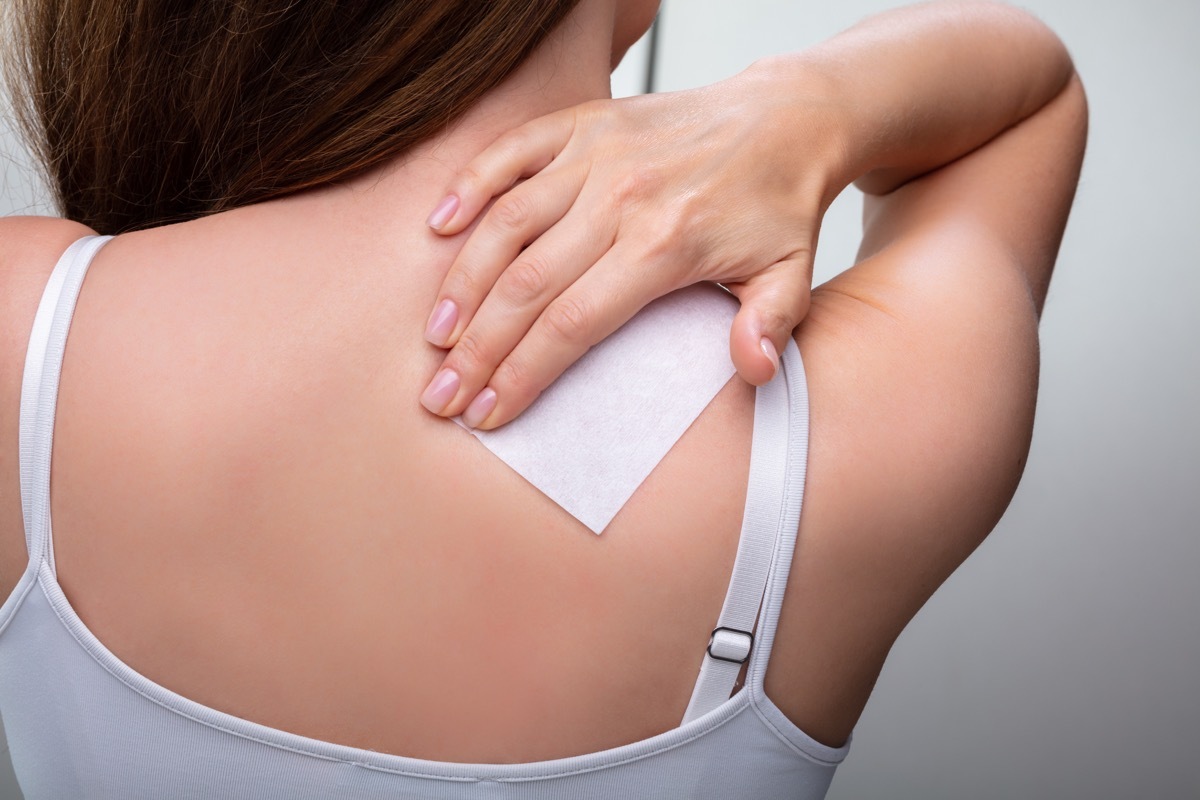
[(597, 432)]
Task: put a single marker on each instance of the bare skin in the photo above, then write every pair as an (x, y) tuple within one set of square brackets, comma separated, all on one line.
[(251, 506)]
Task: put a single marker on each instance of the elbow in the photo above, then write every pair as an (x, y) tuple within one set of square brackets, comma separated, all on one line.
[(1028, 34)]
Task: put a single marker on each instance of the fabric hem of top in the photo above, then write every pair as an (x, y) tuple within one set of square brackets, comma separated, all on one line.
[(387, 762), (794, 736)]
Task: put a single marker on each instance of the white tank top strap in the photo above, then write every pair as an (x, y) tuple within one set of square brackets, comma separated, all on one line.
[(39, 389), (774, 493)]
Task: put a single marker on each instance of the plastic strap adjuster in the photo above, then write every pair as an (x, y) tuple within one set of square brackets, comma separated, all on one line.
[(731, 644)]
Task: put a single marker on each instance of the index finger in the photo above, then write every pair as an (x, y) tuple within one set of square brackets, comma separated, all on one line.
[(519, 153)]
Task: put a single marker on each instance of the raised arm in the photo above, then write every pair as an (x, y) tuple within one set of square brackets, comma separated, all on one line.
[(917, 87), (923, 366), (631, 199)]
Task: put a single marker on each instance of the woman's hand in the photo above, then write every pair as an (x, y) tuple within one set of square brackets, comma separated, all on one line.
[(632, 199), (625, 201)]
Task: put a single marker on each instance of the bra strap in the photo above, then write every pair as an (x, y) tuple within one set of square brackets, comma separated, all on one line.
[(795, 477), (39, 389), (778, 452)]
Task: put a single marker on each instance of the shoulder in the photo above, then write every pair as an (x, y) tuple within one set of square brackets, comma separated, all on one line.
[(29, 249), (922, 390), (25, 234)]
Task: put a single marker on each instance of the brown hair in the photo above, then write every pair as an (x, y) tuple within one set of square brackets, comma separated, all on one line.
[(152, 111)]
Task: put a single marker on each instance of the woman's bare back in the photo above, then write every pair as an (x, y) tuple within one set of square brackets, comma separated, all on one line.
[(252, 508)]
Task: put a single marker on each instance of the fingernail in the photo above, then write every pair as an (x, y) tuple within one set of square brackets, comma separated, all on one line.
[(480, 407), (444, 211), (441, 322), (769, 350), (440, 391)]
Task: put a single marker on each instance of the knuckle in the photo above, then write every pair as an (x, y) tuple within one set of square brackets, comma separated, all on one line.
[(469, 179), (461, 283), (568, 320), (676, 227), (526, 280), (512, 212), (775, 319), (512, 145), (591, 113), (514, 377), (470, 354), (638, 184), (672, 236), (591, 108), (519, 384)]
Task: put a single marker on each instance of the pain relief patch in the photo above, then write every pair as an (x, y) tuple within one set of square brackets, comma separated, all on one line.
[(593, 436)]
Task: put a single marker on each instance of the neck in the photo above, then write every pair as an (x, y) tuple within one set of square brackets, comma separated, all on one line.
[(571, 66), (374, 225)]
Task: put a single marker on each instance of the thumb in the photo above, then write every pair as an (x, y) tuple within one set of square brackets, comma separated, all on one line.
[(774, 302)]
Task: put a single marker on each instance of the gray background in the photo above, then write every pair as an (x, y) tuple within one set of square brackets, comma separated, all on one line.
[(1063, 659)]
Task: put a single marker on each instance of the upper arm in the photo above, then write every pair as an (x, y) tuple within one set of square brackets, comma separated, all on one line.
[(923, 367), (926, 351), (1014, 194), (29, 249)]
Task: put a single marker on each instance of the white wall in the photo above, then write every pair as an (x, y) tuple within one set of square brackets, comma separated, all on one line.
[(1063, 659)]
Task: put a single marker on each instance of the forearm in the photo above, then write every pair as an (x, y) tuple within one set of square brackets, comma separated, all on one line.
[(913, 89)]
